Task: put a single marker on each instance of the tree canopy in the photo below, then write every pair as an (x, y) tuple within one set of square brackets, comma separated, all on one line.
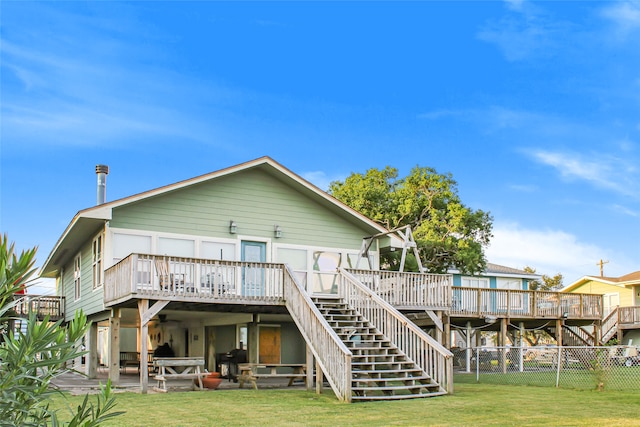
[(548, 283), (448, 233)]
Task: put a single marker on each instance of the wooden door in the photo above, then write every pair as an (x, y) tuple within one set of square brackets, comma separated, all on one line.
[(269, 344)]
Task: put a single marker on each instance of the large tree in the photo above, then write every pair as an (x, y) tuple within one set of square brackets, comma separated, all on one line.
[(448, 233)]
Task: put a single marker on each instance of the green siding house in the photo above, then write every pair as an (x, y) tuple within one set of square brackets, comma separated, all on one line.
[(218, 263)]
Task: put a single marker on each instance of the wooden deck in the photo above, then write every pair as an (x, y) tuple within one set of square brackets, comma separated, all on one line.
[(42, 305), (187, 280), (232, 283)]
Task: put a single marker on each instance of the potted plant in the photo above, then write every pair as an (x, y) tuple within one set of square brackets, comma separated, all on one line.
[(212, 381)]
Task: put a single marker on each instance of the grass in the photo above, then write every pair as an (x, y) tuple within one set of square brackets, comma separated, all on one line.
[(470, 405), (618, 378)]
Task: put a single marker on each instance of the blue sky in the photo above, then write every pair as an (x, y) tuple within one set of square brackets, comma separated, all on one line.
[(532, 106)]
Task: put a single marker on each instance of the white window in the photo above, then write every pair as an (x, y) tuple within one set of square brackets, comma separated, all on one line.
[(469, 298), (176, 247), (515, 299), (215, 250), (77, 282), (475, 282), (297, 260), (610, 301), (325, 274), (126, 244), (96, 260)]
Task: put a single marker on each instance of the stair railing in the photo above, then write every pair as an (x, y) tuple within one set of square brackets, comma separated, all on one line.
[(331, 354), (610, 325), (578, 336), (422, 349)]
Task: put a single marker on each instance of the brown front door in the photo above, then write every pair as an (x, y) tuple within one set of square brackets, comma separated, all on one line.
[(269, 342)]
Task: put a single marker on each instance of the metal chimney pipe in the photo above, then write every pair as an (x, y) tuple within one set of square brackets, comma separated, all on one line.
[(102, 171)]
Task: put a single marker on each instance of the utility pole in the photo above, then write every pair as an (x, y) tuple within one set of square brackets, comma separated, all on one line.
[(601, 264)]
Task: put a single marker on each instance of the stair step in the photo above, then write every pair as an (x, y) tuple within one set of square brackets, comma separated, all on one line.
[(388, 389), (375, 365), (422, 381), (397, 396), (386, 371)]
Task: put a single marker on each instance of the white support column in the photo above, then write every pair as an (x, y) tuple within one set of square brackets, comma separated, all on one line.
[(468, 345), (521, 352)]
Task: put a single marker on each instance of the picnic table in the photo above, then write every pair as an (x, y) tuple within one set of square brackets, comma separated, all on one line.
[(251, 372), (178, 368)]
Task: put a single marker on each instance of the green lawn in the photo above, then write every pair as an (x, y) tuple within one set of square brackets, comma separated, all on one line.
[(471, 405), (617, 378)]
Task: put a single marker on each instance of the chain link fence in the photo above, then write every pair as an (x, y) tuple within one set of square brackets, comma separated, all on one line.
[(602, 368)]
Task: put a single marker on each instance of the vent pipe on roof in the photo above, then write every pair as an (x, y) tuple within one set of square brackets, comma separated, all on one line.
[(102, 171)]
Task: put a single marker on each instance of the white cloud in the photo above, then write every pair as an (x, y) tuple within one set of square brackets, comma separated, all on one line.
[(524, 33), (524, 188), (320, 179), (605, 171), (515, 4), (625, 15), (547, 251)]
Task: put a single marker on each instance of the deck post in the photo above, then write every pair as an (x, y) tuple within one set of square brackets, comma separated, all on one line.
[(503, 344), (468, 345), (92, 355), (309, 369), (114, 346), (319, 378), (143, 333), (447, 331), (559, 332)]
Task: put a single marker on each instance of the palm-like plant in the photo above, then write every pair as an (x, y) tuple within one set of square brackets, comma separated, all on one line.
[(29, 360)]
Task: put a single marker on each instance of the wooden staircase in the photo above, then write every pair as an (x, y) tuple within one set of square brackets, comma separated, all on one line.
[(573, 336), (379, 370)]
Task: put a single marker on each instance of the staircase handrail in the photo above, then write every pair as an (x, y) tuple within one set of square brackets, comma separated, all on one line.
[(610, 324), (422, 349), (331, 354), (580, 334)]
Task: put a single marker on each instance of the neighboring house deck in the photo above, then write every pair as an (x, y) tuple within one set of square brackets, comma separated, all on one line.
[(621, 304), (41, 305)]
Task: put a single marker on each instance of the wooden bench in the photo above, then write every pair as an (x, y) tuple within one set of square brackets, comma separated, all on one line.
[(129, 358), (250, 372), (178, 368)]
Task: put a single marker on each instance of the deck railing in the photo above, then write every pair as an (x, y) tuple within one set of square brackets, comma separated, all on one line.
[(610, 325), (629, 315), (330, 352), (409, 290), (433, 358), (42, 305), (482, 302), (177, 278)]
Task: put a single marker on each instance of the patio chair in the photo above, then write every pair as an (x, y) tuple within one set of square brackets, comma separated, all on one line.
[(168, 281)]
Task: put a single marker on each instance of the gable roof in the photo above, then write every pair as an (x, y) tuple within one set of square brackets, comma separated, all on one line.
[(628, 280), (504, 271), (88, 221)]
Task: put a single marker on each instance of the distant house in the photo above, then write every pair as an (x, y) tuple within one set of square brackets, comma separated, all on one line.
[(496, 276), (621, 304)]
